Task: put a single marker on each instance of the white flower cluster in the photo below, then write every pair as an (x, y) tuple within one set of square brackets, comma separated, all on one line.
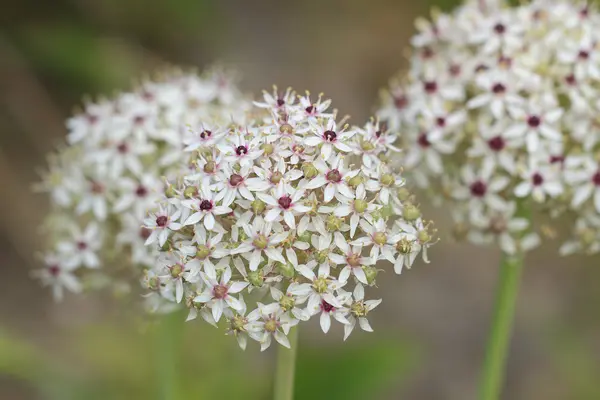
[(499, 113), (291, 207), (102, 184)]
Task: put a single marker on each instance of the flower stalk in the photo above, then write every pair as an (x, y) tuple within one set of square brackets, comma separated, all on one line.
[(500, 333), (285, 368)]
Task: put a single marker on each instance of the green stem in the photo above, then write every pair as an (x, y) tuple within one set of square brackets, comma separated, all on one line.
[(286, 365), (499, 339), (169, 337)]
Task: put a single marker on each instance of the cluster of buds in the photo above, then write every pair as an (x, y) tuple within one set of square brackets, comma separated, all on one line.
[(499, 115), (103, 182), (292, 208)]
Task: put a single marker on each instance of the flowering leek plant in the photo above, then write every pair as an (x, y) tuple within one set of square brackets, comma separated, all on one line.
[(499, 116), (102, 183), (500, 108), (288, 206)]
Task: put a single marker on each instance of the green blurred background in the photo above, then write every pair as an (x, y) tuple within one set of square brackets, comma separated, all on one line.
[(430, 330)]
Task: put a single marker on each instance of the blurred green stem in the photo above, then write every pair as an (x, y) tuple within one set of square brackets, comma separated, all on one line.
[(499, 339), (285, 368), (170, 336)]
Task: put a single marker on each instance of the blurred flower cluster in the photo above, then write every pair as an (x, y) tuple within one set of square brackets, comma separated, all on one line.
[(102, 183), (293, 208), (499, 114)]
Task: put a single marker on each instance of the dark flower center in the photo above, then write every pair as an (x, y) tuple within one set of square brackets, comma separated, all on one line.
[(478, 188), (54, 270), (427, 52), (504, 61), (97, 187), (496, 143), (454, 70), (309, 109), (596, 178), (537, 179), (280, 102), (241, 150), (92, 119), (497, 225), (235, 179), (499, 29), (123, 148), (400, 102), (330, 136), (141, 191), (205, 134), (161, 221), (570, 79), (534, 121), (81, 245), (285, 202), (206, 205), (498, 88), (556, 159), (326, 306), (138, 120), (334, 176), (440, 121), (220, 291), (423, 141), (145, 233), (430, 86), (583, 55)]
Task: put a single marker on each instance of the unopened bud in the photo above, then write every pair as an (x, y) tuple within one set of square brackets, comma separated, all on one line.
[(258, 206), (333, 223), (387, 180), (286, 269), (309, 171), (411, 212), (360, 206), (403, 194), (287, 303), (256, 278), (190, 192), (370, 273), (202, 252)]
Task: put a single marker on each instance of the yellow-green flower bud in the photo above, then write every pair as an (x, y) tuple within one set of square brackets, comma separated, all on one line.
[(333, 223), (258, 206), (261, 242), (267, 149), (202, 252), (387, 179), (286, 270), (170, 191), (411, 212), (380, 238), (360, 206), (309, 171), (370, 273), (403, 194), (287, 303), (320, 285), (256, 278), (190, 192), (176, 270)]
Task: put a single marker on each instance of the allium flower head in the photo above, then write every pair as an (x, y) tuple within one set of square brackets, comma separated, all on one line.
[(113, 170), (293, 208), (498, 113)]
